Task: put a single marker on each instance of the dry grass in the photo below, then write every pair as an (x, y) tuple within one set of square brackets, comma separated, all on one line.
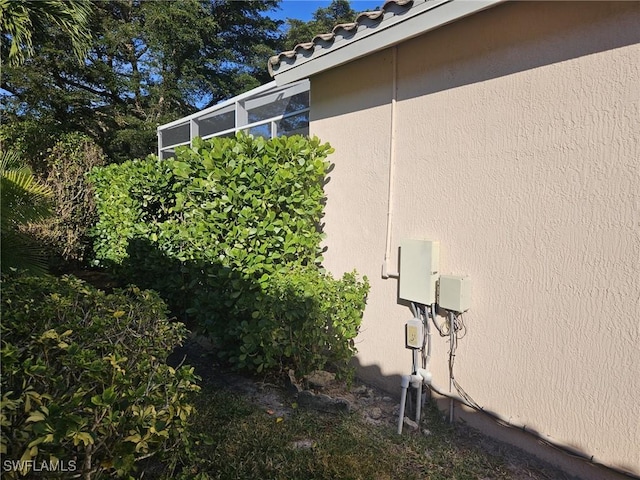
[(241, 440), (252, 430)]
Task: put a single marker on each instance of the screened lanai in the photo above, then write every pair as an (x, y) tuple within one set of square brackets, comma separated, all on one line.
[(268, 111)]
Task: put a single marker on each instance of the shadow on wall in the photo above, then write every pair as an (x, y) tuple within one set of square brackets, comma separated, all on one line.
[(509, 439), (372, 375), (503, 40), (515, 37), (193, 285)]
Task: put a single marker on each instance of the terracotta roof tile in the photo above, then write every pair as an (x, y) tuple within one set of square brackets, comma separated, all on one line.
[(345, 30)]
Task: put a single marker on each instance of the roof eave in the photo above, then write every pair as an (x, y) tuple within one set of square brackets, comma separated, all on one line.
[(421, 18)]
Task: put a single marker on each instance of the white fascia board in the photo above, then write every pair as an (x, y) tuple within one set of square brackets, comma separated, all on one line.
[(420, 19)]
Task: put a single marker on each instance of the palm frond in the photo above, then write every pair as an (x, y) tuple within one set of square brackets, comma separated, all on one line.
[(20, 20), (20, 252), (23, 199), (16, 23)]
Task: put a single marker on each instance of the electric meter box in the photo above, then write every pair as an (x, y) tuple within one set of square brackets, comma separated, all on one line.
[(419, 264), (454, 293)]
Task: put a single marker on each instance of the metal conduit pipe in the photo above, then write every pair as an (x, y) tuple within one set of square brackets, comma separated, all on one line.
[(431, 312), (452, 339), (419, 400), (416, 382)]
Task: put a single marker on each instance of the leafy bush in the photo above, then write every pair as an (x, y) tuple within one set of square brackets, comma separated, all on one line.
[(249, 204), (84, 379), (304, 319), (217, 229), (66, 232)]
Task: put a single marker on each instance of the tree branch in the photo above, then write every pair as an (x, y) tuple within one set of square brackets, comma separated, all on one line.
[(101, 93)]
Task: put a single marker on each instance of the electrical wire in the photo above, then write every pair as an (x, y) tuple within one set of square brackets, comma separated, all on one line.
[(458, 326), (459, 331), (425, 322), (438, 327)]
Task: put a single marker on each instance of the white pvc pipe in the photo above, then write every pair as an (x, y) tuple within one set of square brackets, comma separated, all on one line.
[(392, 161), (419, 401), (403, 398)]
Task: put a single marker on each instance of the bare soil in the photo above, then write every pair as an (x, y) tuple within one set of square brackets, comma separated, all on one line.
[(375, 407)]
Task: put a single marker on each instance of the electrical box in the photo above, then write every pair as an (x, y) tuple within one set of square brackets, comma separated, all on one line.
[(454, 293), (414, 331), (419, 263)]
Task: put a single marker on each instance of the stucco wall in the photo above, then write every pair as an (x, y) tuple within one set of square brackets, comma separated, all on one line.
[(517, 147)]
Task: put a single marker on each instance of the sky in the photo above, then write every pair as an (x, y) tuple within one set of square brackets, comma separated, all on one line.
[(303, 9)]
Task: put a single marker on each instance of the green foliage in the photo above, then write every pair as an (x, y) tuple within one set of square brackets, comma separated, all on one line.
[(303, 318), (21, 21), (132, 200), (84, 376), (225, 230), (30, 138), (149, 62), (248, 207), (66, 232), (23, 199)]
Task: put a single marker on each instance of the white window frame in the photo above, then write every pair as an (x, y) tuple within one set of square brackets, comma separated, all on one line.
[(240, 105)]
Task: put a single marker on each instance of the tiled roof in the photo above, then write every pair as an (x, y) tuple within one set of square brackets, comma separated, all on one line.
[(343, 31), (397, 21)]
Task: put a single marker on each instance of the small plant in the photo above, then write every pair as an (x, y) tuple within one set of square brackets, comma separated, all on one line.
[(84, 378)]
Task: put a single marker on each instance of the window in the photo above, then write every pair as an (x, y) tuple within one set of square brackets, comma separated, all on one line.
[(265, 111)]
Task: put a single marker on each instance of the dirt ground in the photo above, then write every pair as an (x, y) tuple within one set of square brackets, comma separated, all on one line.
[(375, 407)]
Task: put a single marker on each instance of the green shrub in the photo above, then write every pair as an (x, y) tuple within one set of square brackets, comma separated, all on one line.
[(84, 378), (133, 199), (304, 319), (217, 229), (246, 203)]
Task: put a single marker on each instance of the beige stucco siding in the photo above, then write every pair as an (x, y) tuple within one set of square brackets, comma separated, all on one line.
[(517, 147)]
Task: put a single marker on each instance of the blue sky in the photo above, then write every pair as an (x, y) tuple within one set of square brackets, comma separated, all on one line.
[(303, 9)]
